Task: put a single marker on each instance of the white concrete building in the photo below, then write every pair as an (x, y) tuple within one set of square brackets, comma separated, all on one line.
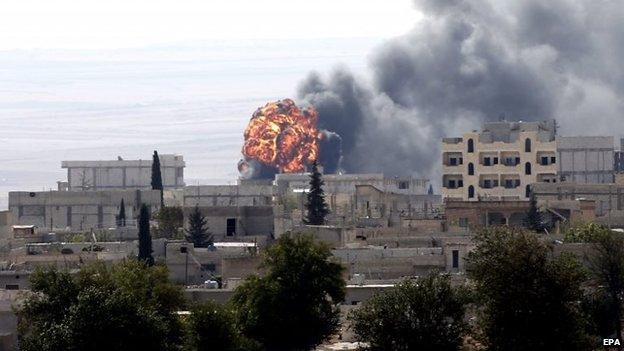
[(123, 174), (586, 159)]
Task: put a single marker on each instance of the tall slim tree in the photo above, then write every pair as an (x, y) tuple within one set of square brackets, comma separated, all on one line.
[(157, 183), (197, 232), (534, 220), (145, 238), (316, 206), (121, 217)]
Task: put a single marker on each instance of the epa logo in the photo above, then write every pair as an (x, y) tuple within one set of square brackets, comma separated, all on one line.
[(611, 342)]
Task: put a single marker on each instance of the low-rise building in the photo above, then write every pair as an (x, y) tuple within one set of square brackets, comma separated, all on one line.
[(585, 159), (122, 174), (77, 210)]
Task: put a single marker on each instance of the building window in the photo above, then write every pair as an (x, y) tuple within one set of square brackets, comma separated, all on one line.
[(460, 183), (463, 222), (453, 161), (403, 185), (553, 159), (527, 145), (544, 161), (470, 145), (451, 184), (230, 229), (11, 287), (527, 192), (486, 161), (455, 258), (527, 168), (487, 184), (495, 160), (470, 169), (471, 192)]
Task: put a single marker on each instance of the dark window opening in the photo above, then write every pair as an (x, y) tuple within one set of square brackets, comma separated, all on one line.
[(486, 161), (495, 160), (470, 145), (470, 192), (453, 161), (451, 184), (11, 287), (460, 183), (527, 168), (527, 191), (544, 161), (230, 229), (553, 159), (403, 185), (455, 258), (527, 145), (470, 169)]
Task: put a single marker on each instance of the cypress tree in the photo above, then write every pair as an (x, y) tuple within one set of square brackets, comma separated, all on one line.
[(121, 217), (157, 183), (534, 219), (145, 238), (197, 232), (316, 206)]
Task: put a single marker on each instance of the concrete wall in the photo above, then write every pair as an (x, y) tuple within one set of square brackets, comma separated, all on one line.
[(608, 197), (228, 195), (77, 210), (586, 159), (123, 174), (249, 220), (391, 263)]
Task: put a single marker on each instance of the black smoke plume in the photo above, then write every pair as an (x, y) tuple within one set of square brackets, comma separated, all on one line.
[(470, 61)]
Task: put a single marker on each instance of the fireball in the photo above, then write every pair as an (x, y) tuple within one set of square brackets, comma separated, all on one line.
[(282, 136)]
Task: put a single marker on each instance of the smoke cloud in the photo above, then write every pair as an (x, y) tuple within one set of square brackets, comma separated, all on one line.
[(471, 61)]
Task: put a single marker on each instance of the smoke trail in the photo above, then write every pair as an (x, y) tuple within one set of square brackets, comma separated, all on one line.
[(471, 61)]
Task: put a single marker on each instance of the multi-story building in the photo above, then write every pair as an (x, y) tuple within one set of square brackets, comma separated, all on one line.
[(499, 162), (123, 174), (585, 159)]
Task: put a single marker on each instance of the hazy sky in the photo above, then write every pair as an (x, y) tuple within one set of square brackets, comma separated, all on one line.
[(97, 24)]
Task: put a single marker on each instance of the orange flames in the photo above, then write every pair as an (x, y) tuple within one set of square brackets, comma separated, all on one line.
[(282, 136)]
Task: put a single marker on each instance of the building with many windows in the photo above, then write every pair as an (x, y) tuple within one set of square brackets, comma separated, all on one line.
[(500, 161)]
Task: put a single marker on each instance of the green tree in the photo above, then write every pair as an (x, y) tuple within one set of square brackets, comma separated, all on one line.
[(121, 217), (211, 326), (607, 265), (534, 220), (529, 299), (145, 238), (170, 220), (295, 306), (426, 314), (584, 232), (316, 207), (197, 232), (157, 183), (127, 306)]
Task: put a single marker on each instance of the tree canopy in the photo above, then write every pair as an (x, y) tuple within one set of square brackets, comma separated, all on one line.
[(530, 300), (157, 183), (127, 306), (197, 232), (426, 314), (170, 222), (295, 305)]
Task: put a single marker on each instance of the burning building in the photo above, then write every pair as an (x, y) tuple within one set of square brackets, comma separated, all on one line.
[(282, 138)]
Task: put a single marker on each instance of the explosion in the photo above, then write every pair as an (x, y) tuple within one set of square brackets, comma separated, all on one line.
[(280, 137)]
